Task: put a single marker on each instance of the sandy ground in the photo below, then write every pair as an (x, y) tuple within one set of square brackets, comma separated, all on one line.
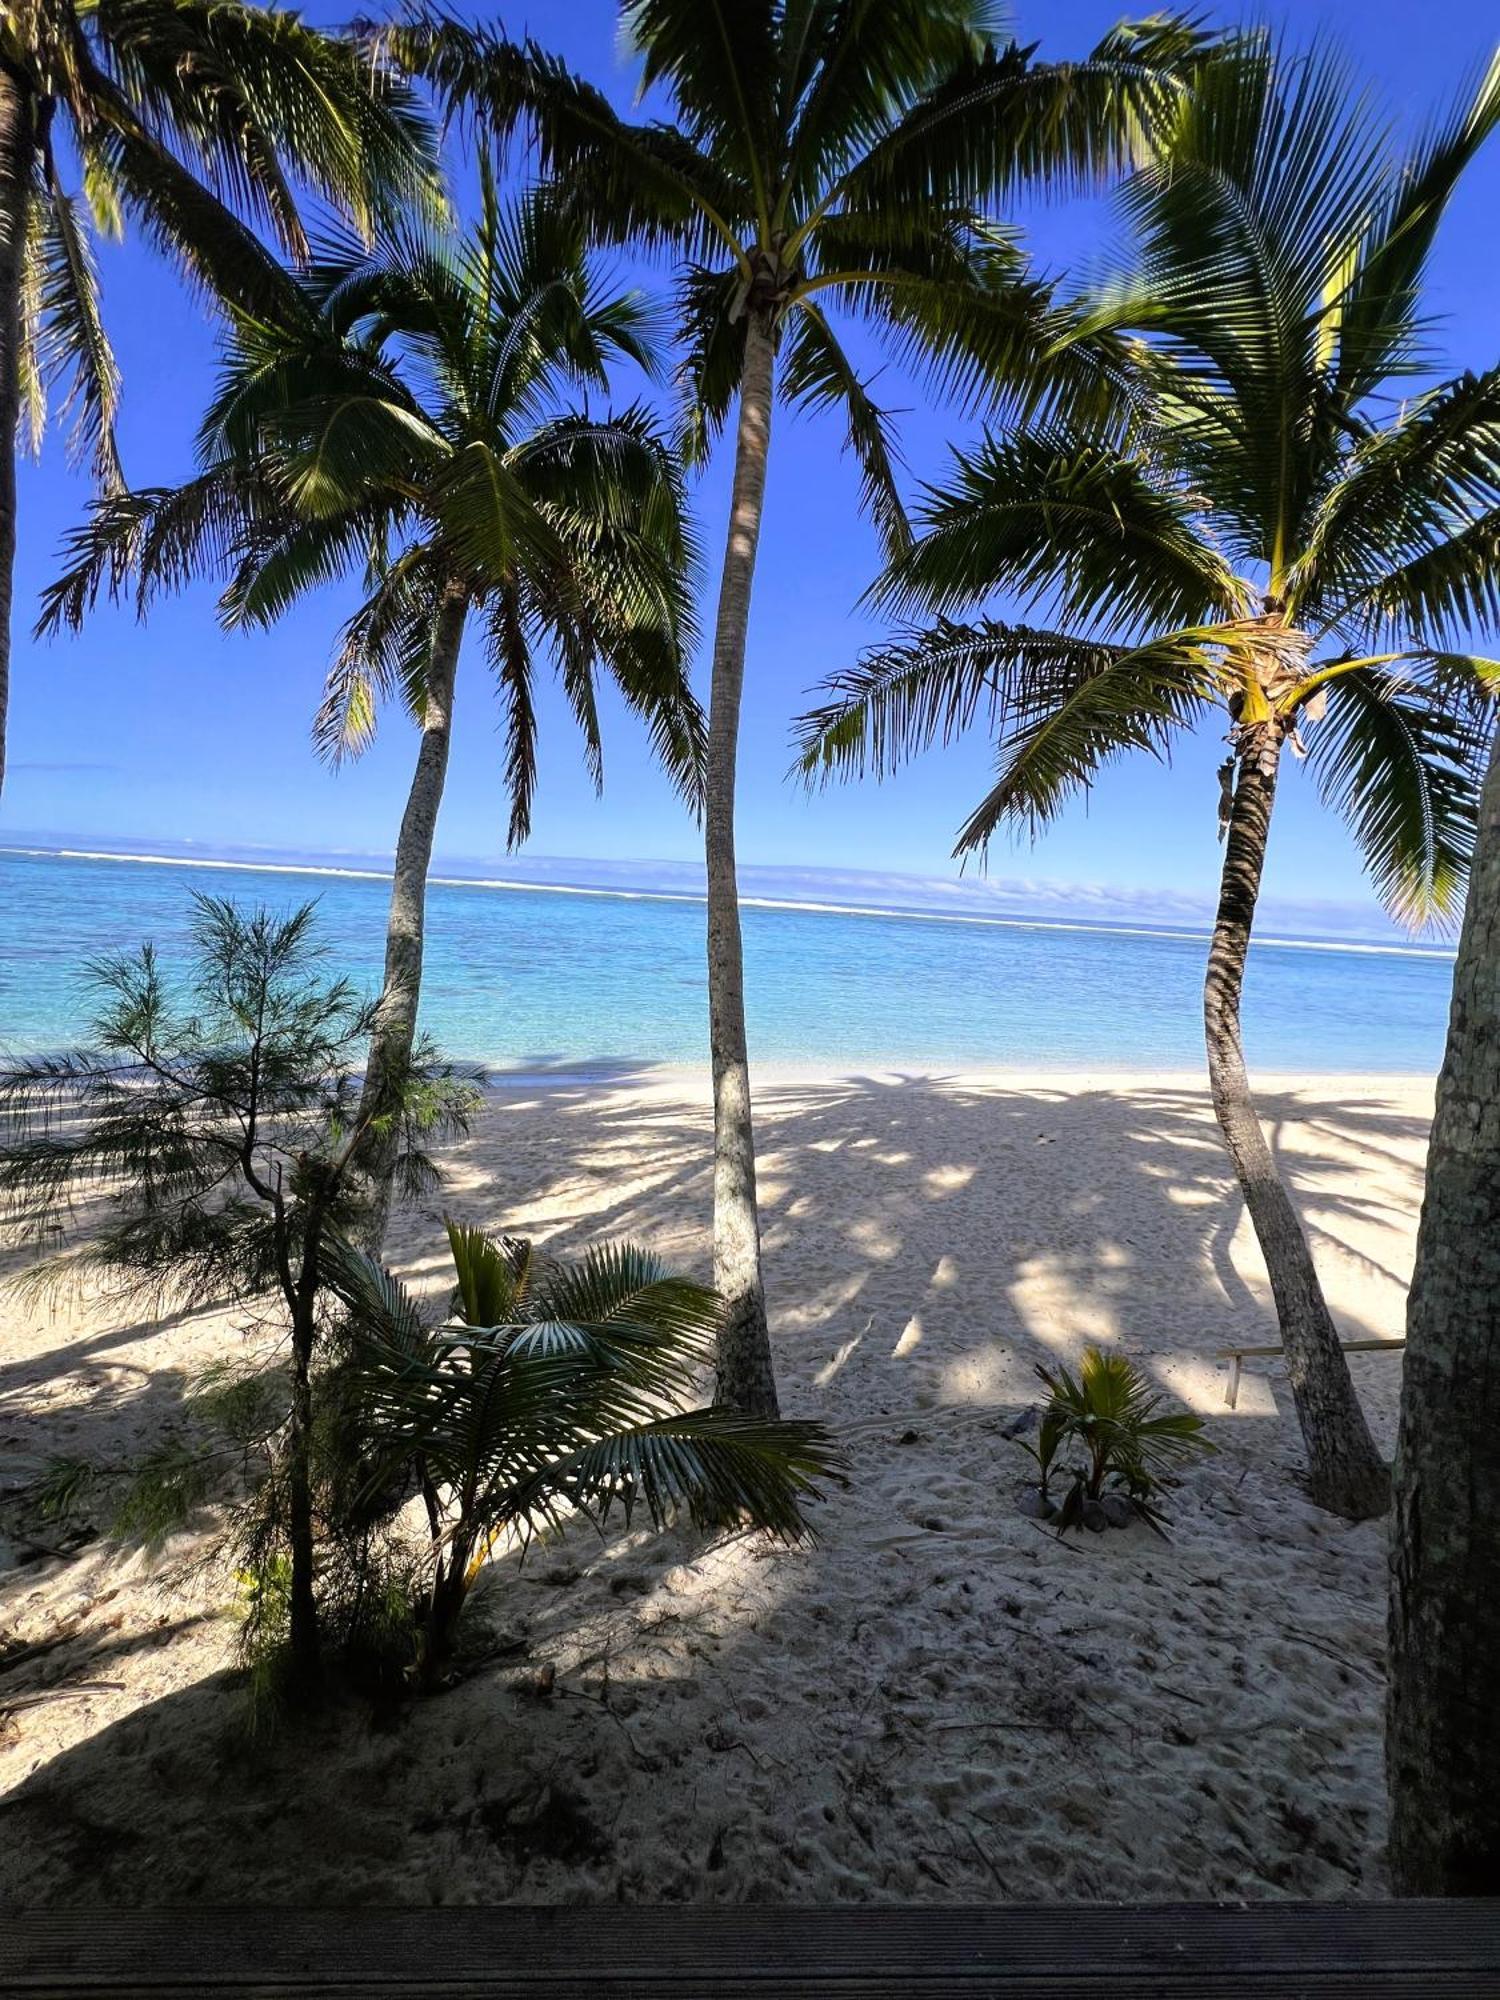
[(940, 1700)]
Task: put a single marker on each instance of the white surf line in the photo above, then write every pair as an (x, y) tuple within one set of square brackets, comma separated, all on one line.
[(1352, 948)]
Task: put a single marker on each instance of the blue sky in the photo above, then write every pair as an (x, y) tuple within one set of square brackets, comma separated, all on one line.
[(176, 733)]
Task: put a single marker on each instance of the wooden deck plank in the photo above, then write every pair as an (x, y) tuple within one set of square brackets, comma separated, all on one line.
[(1011, 1953)]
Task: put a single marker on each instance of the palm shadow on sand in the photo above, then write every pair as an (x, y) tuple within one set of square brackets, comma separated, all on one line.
[(936, 1700)]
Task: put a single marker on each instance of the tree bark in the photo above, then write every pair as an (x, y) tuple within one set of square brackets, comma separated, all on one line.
[(17, 150), (1345, 1472), (302, 1631), (396, 1012), (746, 1378), (1442, 1745)]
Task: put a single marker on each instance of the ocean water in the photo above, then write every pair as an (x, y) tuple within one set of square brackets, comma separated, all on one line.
[(531, 979)]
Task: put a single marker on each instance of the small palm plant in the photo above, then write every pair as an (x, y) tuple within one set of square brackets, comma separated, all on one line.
[(1127, 1445), (553, 1393)]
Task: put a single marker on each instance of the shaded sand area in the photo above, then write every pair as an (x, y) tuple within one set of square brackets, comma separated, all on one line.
[(941, 1700)]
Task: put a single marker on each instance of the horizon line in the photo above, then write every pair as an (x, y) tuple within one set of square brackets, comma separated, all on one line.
[(805, 906)]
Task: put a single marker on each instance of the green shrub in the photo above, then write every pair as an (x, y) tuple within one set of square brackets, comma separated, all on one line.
[(551, 1393), (206, 1148), (1105, 1434)]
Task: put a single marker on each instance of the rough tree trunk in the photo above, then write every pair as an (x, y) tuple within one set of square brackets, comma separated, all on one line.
[(17, 146), (746, 1380), (1442, 1744), (396, 1012), (1345, 1472), (302, 1630)]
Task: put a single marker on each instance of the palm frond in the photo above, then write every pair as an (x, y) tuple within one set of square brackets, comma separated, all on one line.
[(645, 182), (385, 648), (261, 99), (508, 645), (1060, 708), (1065, 520), (998, 119), (493, 1275), (1404, 771), (1399, 491), (718, 1470), (852, 72), (718, 57), (1438, 596), (1378, 327), (70, 339), (818, 373)]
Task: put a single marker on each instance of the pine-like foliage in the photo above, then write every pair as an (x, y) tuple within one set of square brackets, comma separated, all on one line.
[(205, 1150)]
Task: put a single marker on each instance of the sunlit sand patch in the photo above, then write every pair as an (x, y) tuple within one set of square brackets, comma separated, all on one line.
[(1202, 1384), (831, 1368), (911, 1338)]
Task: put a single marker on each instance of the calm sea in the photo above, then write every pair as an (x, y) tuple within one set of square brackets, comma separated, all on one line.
[(534, 978)]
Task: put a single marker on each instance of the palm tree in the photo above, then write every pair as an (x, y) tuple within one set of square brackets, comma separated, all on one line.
[(412, 416), (179, 117), (554, 1392), (829, 158), (1277, 541), (1442, 1752)]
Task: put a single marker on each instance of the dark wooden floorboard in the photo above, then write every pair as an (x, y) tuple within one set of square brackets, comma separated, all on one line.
[(1280, 1951)]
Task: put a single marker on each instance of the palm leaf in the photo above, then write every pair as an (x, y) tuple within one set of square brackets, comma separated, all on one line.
[(1404, 773), (494, 1275), (718, 1470), (818, 374), (71, 340), (1378, 327), (1066, 520)]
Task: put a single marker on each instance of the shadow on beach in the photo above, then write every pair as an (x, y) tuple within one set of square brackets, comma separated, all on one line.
[(939, 1699)]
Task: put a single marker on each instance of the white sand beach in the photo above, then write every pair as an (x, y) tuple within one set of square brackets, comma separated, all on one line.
[(942, 1699)]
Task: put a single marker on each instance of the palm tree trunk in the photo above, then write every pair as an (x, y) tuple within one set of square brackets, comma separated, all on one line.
[(17, 147), (396, 1012), (746, 1379), (1442, 1746), (1345, 1472)]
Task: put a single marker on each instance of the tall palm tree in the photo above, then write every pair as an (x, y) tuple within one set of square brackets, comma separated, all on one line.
[(829, 158), (185, 119), (1278, 542), (413, 416)]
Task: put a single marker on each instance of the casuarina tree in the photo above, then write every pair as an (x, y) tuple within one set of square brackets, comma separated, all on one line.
[(205, 1150)]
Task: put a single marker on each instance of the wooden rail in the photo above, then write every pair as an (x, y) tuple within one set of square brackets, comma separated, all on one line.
[(1238, 1356), (1268, 1951)]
